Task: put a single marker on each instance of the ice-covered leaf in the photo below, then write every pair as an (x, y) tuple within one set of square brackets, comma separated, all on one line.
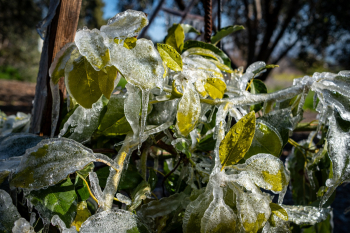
[(253, 211), (188, 110), (8, 212), (163, 112), (195, 211), (142, 191), (57, 221), (132, 108), (267, 172), (215, 87), (189, 28), (266, 140), (202, 52), (83, 122), (123, 199), (176, 37), (59, 199), (225, 32), (16, 144), (190, 44), (114, 220), (83, 213), (18, 123), (279, 211), (307, 215), (91, 45), (106, 79), (82, 80), (125, 24), (7, 166), (222, 66), (170, 56), (141, 66), (22, 226), (59, 63), (51, 161), (237, 141)]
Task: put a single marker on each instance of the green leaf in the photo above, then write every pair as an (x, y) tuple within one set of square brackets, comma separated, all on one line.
[(170, 56), (82, 80), (237, 141), (60, 199), (175, 37), (257, 87), (188, 110), (266, 140), (189, 28), (225, 32), (106, 79), (216, 50), (152, 179), (279, 211), (207, 143), (59, 63)]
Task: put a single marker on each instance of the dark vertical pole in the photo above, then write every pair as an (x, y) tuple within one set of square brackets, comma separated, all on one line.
[(219, 20), (208, 22)]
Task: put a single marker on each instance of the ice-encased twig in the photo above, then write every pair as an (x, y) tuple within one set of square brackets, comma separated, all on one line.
[(55, 112), (96, 189)]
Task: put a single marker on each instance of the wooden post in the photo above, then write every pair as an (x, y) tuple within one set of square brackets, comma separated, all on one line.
[(60, 32)]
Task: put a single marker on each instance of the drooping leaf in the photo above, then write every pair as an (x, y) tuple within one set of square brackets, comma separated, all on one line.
[(279, 211), (8, 212), (237, 141), (175, 37), (266, 140), (216, 50), (188, 110), (111, 220), (56, 70), (91, 45), (106, 79), (189, 28), (82, 80), (267, 172), (170, 56), (125, 24), (83, 213), (51, 161), (225, 32), (59, 199), (215, 87)]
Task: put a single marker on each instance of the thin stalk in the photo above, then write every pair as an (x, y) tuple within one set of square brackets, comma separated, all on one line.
[(87, 185)]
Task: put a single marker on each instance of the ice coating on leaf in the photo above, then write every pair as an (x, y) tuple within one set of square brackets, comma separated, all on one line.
[(308, 215), (8, 212), (163, 112), (16, 144), (92, 46), (255, 66), (132, 108), (200, 64), (202, 52), (267, 172), (83, 122), (22, 226), (338, 151), (253, 211), (141, 66), (8, 165), (113, 220), (56, 221), (278, 225), (49, 162), (142, 191), (188, 111), (124, 199), (18, 123), (145, 100), (125, 24)]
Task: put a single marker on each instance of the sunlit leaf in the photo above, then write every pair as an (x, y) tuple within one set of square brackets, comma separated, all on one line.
[(170, 56), (225, 32), (189, 28), (175, 37), (60, 200), (188, 110), (279, 211), (237, 141), (83, 213), (215, 87), (202, 52), (106, 79)]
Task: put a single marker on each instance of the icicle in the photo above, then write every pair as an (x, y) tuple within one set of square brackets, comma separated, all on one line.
[(132, 107), (55, 107), (145, 100), (32, 218)]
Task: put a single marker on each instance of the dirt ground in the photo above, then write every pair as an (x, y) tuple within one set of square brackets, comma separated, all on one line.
[(16, 96)]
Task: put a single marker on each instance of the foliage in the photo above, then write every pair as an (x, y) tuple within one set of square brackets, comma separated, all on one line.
[(214, 136)]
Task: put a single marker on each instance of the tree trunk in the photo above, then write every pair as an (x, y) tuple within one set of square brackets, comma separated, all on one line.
[(60, 32)]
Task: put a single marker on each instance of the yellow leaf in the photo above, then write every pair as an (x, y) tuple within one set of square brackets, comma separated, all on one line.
[(129, 43), (106, 79), (170, 56), (176, 37), (222, 66), (188, 111), (83, 213), (203, 52), (215, 88), (237, 141), (279, 211)]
